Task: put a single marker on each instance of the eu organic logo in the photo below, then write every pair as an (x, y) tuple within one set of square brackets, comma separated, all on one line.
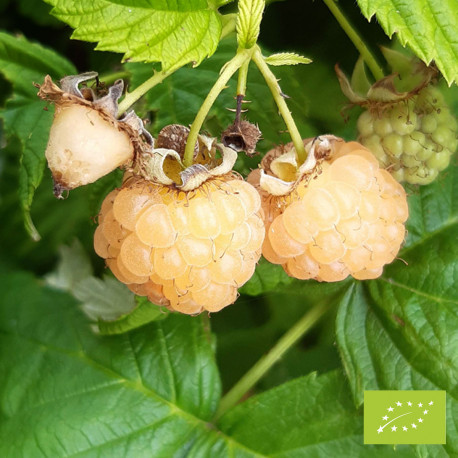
[(404, 417)]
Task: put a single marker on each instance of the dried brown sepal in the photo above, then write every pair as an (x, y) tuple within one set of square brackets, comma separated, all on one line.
[(280, 172), (412, 77), (242, 136), (175, 137), (163, 165)]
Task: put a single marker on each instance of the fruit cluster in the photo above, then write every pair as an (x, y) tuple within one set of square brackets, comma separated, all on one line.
[(344, 218), (189, 251), (189, 237), (415, 138)]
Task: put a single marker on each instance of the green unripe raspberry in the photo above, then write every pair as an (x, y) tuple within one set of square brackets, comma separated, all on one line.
[(443, 135), (414, 138), (427, 150), (403, 118), (420, 175), (393, 145), (365, 124), (383, 126), (429, 123), (413, 143), (439, 161)]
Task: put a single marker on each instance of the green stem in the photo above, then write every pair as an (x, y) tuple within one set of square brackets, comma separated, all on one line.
[(227, 71), (141, 90), (243, 75), (279, 98), (266, 362), (110, 78), (356, 39)]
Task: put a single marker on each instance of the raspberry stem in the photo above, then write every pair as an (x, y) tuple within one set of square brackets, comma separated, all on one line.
[(366, 54), (242, 78), (267, 361), (141, 90), (227, 71), (279, 98)]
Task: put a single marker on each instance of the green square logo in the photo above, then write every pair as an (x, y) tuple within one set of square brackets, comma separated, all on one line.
[(404, 417)]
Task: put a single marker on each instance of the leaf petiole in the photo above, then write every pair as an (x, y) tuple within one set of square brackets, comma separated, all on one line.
[(266, 362), (279, 98)]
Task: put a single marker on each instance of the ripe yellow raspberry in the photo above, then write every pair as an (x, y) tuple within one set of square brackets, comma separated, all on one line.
[(345, 217), (189, 251)]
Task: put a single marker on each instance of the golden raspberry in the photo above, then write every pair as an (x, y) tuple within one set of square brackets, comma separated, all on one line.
[(345, 218), (189, 251)]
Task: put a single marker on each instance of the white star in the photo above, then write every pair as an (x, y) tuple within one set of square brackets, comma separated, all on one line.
[(399, 404), (393, 428), (409, 403), (431, 403), (414, 426), (380, 430), (404, 428), (385, 418), (420, 420), (425, 412), (390, 409), (420, 404)]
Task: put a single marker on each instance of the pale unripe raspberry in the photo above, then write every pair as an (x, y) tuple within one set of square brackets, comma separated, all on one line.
[(413, 138), (87, 140), (83, 146), (345, 218), (189, 251)]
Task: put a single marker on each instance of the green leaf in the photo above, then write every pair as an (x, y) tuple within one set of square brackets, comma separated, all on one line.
[(248, 22), (65, 391), (310, 417), (286, 58), (267, 277), (106, 299), (399, 332), (74, 266), (23, 63), (432, 207), (429, 27), (144, 312), (151, 392), (173, 33)]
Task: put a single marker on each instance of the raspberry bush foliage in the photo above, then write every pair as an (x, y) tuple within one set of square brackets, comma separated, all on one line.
[(236, 254)]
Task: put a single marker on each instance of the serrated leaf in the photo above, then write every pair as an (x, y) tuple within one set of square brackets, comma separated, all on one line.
[(65, 391), (429, 27), (286, 58), (310, 416), (23, 63), (399, 332), (172, 33), (144, 312), (106, 299), (149, 392), (74, 266), (267, 277), (248, 21), (432, 207)]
